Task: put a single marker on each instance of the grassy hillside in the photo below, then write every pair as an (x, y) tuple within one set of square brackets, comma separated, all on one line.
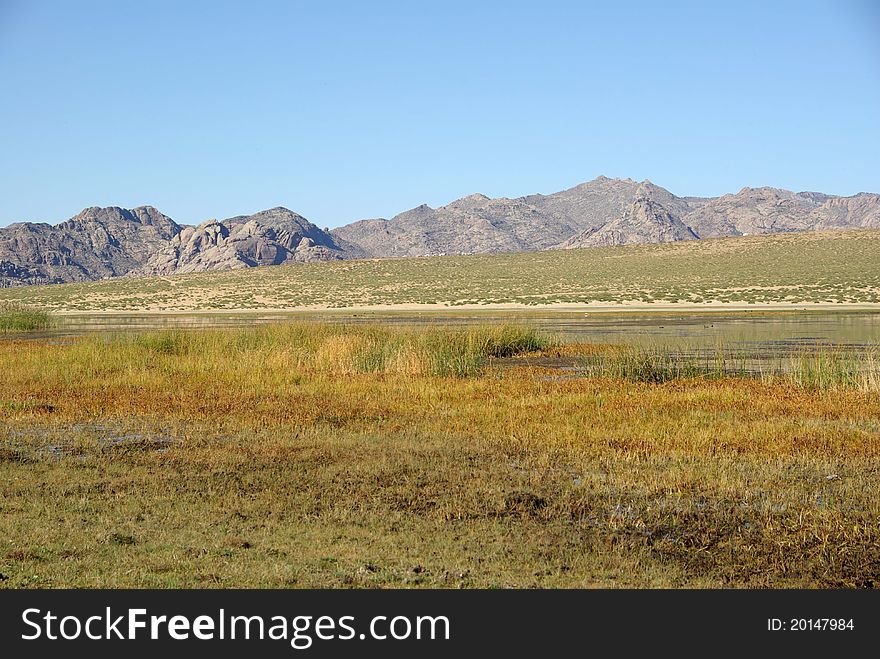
[(841, 266)]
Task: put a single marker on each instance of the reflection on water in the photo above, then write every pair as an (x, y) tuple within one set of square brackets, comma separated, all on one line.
[(751, 332)]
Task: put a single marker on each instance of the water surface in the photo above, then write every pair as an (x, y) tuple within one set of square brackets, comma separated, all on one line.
[(752, 331)]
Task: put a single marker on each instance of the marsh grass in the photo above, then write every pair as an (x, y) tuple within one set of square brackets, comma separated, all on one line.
[(658, 364), (15, 317), (313, 347), (825, 368), (836, 368), (296, 455)]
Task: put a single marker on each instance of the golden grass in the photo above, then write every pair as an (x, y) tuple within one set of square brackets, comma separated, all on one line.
[(281, 457)]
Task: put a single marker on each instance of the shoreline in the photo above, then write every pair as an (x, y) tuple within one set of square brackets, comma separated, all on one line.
[(441, 309)]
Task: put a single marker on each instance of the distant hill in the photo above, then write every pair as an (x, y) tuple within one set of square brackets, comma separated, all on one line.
[(109, 242), (603, 212)]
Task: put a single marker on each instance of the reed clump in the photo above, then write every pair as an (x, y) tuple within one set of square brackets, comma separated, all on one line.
[(835, 368), (659, 364), (15, 317), (312, 347), (820, 369)]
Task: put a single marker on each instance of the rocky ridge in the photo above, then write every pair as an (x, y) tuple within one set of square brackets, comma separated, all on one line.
[(271, 237), (109, 242)]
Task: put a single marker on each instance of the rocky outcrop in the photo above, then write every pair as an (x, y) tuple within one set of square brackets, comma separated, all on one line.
[(860, 211), (645, 221), (95, 244), (271, 237), (754, 210), (477, 224)]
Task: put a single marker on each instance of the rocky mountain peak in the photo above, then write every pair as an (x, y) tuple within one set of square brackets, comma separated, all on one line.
[(470, 202), (645, 221), (94, 244), (270, 237)]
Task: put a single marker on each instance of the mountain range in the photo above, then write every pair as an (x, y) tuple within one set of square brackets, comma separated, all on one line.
[(99, 243)]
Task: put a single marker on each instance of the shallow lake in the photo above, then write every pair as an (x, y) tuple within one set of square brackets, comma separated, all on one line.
[(753, 332)]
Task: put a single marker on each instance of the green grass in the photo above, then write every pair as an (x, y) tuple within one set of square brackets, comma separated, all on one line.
[(830, 369), (16, 317), (770, 269), (823, 368), (656, 364)]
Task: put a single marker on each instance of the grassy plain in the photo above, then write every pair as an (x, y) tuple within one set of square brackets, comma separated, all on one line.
[(833, 267), (315, 455)]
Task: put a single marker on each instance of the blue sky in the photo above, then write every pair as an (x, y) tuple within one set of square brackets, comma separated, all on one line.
[(347, 110)]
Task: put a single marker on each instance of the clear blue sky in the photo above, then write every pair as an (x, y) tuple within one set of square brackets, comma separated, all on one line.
[(347, 110)]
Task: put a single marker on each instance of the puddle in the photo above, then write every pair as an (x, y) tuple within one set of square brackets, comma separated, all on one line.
[(59, 441)]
